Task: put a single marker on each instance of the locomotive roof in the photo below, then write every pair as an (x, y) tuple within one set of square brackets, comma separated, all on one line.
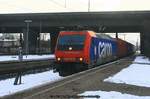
[(76, 31), (92, 33), (104, 36)]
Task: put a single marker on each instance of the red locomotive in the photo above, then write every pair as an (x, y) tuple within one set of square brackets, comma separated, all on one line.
[(78, 50)]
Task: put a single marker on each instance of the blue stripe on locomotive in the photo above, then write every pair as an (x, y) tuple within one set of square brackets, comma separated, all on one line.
[(101, 47)]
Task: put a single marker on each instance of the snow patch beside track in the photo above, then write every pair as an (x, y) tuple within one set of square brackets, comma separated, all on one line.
[(28, 81), (113, 95), (135, 74)]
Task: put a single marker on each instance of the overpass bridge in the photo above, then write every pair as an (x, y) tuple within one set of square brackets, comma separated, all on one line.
[(116, 21)]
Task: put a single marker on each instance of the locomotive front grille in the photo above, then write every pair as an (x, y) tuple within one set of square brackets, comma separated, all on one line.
[(69, 59)]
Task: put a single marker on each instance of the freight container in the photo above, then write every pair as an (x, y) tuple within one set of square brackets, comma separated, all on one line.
[(121, 47)]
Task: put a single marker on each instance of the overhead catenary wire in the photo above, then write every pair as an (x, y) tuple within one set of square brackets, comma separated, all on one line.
[(61, 3), (63, 6)]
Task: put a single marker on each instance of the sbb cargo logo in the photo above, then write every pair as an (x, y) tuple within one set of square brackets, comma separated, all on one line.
[(104, 49)]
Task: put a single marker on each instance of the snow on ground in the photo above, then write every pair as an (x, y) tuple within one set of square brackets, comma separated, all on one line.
[(26, 57), (142, 59), (28, 81), (135, 74), (112, 95)]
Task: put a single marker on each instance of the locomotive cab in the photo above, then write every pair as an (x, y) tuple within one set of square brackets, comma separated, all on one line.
[(72, 47)]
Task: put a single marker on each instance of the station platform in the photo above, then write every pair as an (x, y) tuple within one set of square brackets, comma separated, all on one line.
[(10, 58), (12, 64)]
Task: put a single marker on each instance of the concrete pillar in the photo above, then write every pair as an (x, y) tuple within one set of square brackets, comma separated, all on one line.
[(142, 43), (24, 40), (53, 36), (116, 35), (38, 44), (21, 40), (145, 39), (32, 41)]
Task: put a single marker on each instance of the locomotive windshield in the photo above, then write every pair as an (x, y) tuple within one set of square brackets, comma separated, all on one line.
[(75, 42)]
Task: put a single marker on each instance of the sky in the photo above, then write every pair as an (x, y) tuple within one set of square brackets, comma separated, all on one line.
[(42, 6), (54, 6), (133, 38)]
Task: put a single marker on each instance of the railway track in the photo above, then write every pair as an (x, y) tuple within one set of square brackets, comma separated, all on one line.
[(15, 66), (59, 87), (9, 69)]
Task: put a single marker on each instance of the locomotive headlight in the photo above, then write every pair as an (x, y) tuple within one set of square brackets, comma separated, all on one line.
[(58, 59), (70, 48), (81, 59)]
